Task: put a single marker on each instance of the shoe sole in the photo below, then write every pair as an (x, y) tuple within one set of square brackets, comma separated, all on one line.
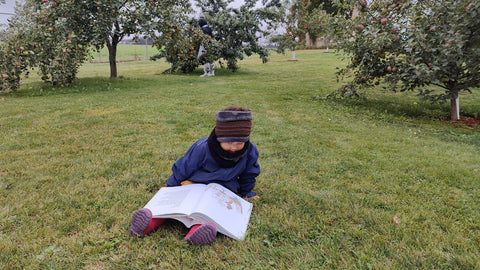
[(204, 235), (140, 220)]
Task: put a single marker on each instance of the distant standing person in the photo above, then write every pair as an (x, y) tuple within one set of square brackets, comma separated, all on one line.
[(208, 68)]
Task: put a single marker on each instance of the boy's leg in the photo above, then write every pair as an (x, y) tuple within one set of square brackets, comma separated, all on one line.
[(203, 234), (143, 223)]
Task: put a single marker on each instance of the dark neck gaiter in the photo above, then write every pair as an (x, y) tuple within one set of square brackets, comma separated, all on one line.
[(223, 158)]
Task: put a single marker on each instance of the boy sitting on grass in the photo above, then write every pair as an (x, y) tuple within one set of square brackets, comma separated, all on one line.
[(226, 157)]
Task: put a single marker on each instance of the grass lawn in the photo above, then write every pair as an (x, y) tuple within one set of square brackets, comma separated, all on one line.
[(126, 53), (384, 183)]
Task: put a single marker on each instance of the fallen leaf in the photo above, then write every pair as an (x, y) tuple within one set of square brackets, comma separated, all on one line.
[(396, 220)]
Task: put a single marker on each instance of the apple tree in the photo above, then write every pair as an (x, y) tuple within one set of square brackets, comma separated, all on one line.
[(238, 29), (236, 32), (59, 33), (14, 60), (299, 18), (56, 38), (290, 19), (179, 46), (115, 20), (47, 35), (32, 39), (432, 47)]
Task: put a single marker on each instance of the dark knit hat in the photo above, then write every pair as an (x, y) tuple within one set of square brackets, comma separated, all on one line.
[(233, 124)]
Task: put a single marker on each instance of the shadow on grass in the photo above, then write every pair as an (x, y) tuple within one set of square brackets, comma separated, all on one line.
[(410, 107), (219, 72), (92, 85), (80, 86), (400, 110), (97, 84)]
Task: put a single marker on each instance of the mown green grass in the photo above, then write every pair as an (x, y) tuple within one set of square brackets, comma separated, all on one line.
[(77, 162), (125, 53)]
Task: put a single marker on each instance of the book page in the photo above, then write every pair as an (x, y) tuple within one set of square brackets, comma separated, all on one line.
[(179, 200), (187, 221), (228, 210)]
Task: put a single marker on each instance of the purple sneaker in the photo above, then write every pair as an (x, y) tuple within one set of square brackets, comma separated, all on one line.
[(140, 221), (203, 234)]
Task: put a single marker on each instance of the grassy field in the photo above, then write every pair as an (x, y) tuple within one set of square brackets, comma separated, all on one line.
[(126, 53), (384, 183)]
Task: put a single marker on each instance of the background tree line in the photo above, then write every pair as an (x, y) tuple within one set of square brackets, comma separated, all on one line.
[(402, 44), (57, 36)]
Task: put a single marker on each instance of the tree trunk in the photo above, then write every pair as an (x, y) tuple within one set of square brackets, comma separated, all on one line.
[(112, 57), (112, 44), (455, 108)]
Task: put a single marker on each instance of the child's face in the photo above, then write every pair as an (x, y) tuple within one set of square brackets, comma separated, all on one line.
[(232, 147)]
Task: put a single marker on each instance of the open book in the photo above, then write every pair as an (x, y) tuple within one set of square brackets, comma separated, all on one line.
[(199, 203)]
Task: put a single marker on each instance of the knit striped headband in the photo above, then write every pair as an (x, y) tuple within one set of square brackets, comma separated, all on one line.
[(233, 124)]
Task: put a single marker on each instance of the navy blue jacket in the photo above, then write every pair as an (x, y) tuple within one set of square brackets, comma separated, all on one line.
[(198, 165)]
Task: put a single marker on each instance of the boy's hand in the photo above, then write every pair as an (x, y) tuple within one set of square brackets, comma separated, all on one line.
[(186, 182), (256, 197)]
